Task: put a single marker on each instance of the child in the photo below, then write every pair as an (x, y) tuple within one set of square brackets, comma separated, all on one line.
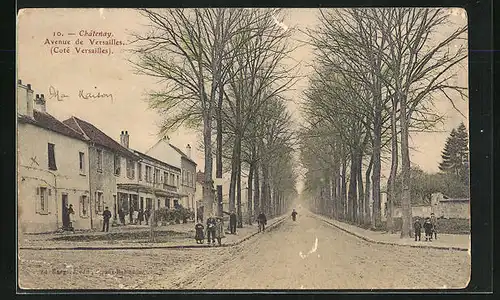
[(418, 227), (428, 229), (199, 236)]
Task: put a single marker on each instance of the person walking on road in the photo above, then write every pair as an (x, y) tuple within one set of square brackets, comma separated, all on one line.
[(219, 230), (294, 214), (211, 224), (106, 215), (199, 236), (232, 222), (262, 221), (428, 229), (434, 225), (418, 229)]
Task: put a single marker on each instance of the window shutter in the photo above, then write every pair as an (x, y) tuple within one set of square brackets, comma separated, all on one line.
[(37, 200)]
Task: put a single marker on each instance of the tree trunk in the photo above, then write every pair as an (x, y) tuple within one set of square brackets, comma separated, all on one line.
[(405, 174), (377, 136), (265, 185), (218, 158), (234, 177), (238, 196), (343, 196), (352, 195), (391, 182), (250, 193), (367, 219), (361, 197), (208, 183), (256, 201)]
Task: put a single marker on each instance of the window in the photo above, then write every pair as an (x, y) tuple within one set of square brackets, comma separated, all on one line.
[(176, 203), (165, 177), (177, 181), (149, 203), (158, 204), (183, 176), (84, 206), (148, 174), (42, 200), (167, 203), (172, 179), (52, 157), (99, 202), (82, 162), (139, 170), (130, 169), (117, 164), (188, 179), (99, 160), (157, 176), (192, 179)]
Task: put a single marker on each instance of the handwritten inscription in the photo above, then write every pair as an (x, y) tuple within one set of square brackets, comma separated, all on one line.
[(86, 42), (54, 93)]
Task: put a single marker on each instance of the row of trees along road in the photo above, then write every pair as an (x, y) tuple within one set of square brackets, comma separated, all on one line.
[(377, 73), (223, 72)]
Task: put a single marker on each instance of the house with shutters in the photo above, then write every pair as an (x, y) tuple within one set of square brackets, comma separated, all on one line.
[(53, 168), (110, 165), (163, 150)]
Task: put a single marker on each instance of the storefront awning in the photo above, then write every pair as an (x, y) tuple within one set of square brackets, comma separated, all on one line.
[(135, 187)]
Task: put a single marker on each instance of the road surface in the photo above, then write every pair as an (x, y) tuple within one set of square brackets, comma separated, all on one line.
[(306, 254)]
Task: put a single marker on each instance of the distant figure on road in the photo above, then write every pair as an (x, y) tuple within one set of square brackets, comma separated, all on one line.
[(219, 230), (428, 229), (199, 236), (147, 214), (232, 222), (211, 223), (294, 214), (434, 225), (418, 229), (141, 216), (262, 221), (106, 215), (71, 211)]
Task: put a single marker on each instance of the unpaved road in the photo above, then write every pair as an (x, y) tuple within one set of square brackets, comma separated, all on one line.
[(287, 257)]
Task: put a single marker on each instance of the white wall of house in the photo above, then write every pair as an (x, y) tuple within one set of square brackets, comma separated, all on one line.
[(163, 152), (35, 179)]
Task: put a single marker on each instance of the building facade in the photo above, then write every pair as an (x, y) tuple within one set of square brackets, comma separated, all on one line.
[(110, 164), (53, 170)]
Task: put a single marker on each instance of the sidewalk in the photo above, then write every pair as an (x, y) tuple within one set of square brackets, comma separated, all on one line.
[(457, 242), (178, 236)]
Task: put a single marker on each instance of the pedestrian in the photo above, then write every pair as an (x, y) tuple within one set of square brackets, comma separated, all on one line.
[(232, 222), (135, 216), (219, 230), (262, 221), (71, 211), (121, 213), (147, 214), (199, 236), (418, 228), (428, 229), (106, 215), (294, 214), (141, 216), (434, 225), (211, 223)]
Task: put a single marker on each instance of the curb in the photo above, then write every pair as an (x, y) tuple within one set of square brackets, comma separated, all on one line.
[(390, 243), (280, 220)]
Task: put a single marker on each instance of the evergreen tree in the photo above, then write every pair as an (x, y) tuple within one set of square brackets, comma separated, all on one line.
[(455, 154)]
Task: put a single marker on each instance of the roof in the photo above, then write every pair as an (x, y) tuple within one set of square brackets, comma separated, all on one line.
[(155, 160), (183, 154), (47, 121), (97, 136)]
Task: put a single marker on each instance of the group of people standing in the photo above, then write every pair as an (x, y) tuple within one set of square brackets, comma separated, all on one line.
[(430, 228), (215, 228), (136, 216)]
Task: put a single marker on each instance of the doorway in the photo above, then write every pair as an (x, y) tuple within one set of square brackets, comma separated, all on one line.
[(65, 216)]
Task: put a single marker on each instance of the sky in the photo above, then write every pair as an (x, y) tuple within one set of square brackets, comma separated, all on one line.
[(69, 73)]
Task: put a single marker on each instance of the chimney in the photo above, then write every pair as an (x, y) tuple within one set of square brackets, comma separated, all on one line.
[(40, 103), (24, 99), (124, 139), (188, 151)]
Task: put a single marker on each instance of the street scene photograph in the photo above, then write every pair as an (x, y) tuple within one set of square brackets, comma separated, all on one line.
[(242, 149)]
